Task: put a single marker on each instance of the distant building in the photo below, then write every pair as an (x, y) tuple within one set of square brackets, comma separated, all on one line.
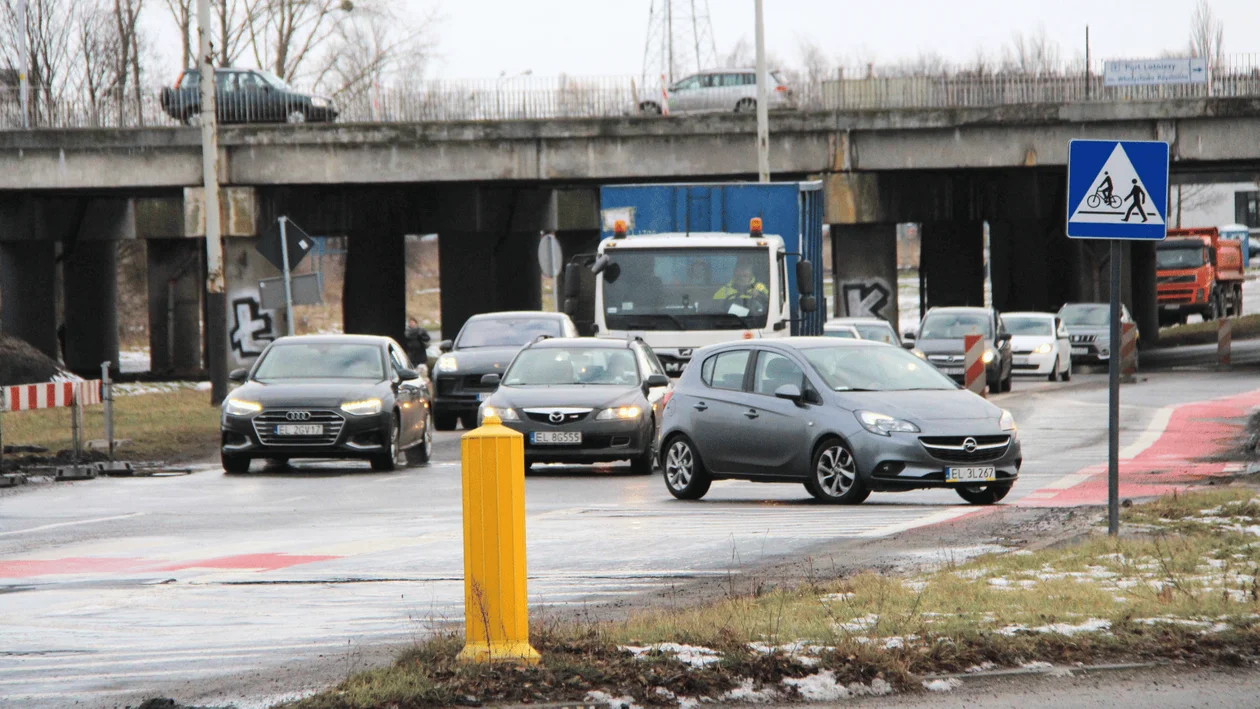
[(1214, 205)]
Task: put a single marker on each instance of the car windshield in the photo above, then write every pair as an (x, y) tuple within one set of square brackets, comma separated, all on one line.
[(845, 333), (878, 333), (505, 332), (1091, 315), (321, 361), (955, 326), (553, 366), (275, 81), (874, 368), (1170, 256), (687, 289), (1029, 326)]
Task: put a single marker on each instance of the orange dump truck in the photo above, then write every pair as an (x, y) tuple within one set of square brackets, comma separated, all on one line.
[(1198, 272)]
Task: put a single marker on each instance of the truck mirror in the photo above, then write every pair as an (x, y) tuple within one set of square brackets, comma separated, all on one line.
[(605, 265), (600, 264), (572, 280), (570, 306), (805, 278), (808, 304)]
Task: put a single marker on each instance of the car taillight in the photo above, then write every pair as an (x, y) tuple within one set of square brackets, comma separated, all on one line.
[(781, 89)]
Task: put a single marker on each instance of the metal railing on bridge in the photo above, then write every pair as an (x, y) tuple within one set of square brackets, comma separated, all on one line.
[(540, 98)]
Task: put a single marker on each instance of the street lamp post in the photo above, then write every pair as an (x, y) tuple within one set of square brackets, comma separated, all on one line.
[(763, 117), (216, 303)]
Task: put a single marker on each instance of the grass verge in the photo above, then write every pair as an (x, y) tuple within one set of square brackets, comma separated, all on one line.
[(170, 426), (1181, 587), (1204, 333)]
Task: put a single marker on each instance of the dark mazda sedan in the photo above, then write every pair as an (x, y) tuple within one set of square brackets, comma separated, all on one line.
[(583, 400), (844, 417), (328, 396)]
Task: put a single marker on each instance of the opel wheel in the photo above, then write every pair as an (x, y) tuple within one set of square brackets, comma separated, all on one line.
[(834, 478), (983, 494), (685, 475)]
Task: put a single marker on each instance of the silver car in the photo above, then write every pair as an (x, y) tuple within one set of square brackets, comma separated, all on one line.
[(719, 90), (844, 417)]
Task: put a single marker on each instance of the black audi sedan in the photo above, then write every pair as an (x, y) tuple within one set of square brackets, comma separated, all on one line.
[(583, 400), (485, 345), (328, 396)]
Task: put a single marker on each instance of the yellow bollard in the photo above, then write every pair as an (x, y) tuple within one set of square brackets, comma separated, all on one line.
[(496, 614)]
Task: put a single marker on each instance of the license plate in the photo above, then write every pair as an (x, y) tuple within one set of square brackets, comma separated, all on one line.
[(1080, 350), (291, 429), (951, 370), (1021, 360), (561, 438), (483, 395), (968, 475)]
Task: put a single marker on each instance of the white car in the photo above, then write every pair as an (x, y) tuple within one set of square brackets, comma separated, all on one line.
[(876, 329), (719, 90), (846, 331), (1039, 345)]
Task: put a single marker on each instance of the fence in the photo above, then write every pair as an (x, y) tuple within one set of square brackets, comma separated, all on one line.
[(540, 98), (74, 395)]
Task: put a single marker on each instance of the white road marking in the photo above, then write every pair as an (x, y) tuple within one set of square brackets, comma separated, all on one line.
[(1153, 431), (70, 524), (935, 518)]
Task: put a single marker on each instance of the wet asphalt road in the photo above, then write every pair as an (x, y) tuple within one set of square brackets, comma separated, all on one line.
[(195, 586)]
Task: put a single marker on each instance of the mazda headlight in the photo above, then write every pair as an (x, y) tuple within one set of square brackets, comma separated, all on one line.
[(367, 407), (1043, 348), (240, 407), (504, 414), (988, 356), (883, 424), (447, 363), (618, 413), (918, 354), (1007, 422)]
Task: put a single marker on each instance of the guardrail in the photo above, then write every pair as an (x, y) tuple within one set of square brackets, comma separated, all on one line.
[(535, 98)]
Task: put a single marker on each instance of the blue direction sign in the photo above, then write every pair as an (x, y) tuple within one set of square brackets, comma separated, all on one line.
[(1117, 189)]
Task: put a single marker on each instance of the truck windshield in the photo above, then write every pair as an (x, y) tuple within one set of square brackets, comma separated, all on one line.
[(1170, 256), (724, 288)]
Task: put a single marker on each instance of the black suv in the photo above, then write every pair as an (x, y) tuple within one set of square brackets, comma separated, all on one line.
[(245, 96), (940, 341)]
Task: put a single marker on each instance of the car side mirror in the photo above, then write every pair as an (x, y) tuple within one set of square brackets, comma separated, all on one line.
[(791, 392), (1004, 337), (408, 375), (490, 380), (445, 345), (907, 336), (656, 380), (238, 375), (907, 345)]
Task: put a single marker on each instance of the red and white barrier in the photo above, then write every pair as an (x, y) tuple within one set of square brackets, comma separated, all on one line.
[(973, 360), (50, 395), (1224, 338), (1128, 349)]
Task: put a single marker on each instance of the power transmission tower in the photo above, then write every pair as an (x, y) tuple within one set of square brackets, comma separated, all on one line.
[(679, 41)]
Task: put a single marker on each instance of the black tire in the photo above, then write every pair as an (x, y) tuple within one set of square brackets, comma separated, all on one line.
[(1214, 308), (833, 477), (983, 494), (651, 108), (445, 422), (1005, 385), (643, 464), (420, 454), (746, 104), (1067, 373), (387, 461), (296, 116), (684, 472), (469, 421), (234, 464), (1054, 371)]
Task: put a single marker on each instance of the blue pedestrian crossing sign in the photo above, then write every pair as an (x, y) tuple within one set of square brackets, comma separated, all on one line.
[(1117, 189)]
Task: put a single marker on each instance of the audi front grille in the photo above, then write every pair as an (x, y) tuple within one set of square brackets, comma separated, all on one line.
[(266, 422)]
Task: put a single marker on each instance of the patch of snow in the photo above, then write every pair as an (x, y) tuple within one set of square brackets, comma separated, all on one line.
[(999, 582), (746, 692), (598, 697), (971, 574), (664, 693), (693, 655), (1093, 625), (1012, 630), (837, 597), (688, 703), (821, 687), (982, 667), (948, 684), (857, 625), (894, 643), (1036, 665), (915, 586), (877, 688), (1022, 552)]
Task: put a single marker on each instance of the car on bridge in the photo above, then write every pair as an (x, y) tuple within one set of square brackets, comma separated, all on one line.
[(485, 345), (1089, 330), (941, 337), (328, 396), (245, 96), (583, 400), (844, 417), (876, 329), (1040, 345), (720, 90)]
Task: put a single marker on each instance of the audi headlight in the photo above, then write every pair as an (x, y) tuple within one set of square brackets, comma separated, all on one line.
[(1007, 422), (1043, 348), (240, 407), (618, 413), (447, 363), (367, 407), (883, 424), (987, 356), (504, 414)]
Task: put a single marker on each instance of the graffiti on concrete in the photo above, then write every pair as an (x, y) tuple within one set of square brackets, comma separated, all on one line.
[(867, 299), (251, 328)]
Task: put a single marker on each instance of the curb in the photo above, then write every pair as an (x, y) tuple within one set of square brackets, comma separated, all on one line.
[(12, 479), (1052, 670)]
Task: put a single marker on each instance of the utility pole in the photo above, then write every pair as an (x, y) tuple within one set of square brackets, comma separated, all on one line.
[(1086, 62), (669, 36), (24, 64), (216, 302), (763, 116)]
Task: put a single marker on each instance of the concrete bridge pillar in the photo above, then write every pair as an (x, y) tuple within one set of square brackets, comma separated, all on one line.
[(864, 266), (90, 282), (28, 293), (1145, 301), (952, 258), (1030, 264), (176, 278), (374, 297)]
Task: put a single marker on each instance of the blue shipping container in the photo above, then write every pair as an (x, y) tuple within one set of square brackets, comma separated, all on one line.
[(791, 210)]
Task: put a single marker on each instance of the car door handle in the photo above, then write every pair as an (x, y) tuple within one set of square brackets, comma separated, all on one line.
[(701, 407), (751, 413)]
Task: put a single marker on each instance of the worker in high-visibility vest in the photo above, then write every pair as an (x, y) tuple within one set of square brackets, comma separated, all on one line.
[(745, 290)]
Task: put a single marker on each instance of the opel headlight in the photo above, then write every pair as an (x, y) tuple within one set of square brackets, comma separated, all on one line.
[(240, 407), (367, 407), (1007, 422), (1043, 348), (919, 354), (883, 424), (987, 357), (504, 414), (447, 363), (618, 413)]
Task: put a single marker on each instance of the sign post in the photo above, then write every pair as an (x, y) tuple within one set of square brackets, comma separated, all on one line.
[(288, 284), (285, 251), (1117, 190)]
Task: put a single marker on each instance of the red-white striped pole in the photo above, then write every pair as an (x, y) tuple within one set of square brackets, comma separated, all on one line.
[(1128, 350), (973, 360), (664, 97), (1224, 337)]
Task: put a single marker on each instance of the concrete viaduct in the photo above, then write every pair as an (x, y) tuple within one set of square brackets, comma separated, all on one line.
[(489, 188)]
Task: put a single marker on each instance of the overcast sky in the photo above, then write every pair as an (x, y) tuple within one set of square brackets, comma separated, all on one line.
[(481, 38)]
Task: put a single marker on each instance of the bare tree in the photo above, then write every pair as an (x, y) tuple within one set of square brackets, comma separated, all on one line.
[(368, 47), (1033, 54), (1207, 34), (286, 35), (52, 41), (98, 54), (181, 12), (817, 65), (126, 21), (235, 20)]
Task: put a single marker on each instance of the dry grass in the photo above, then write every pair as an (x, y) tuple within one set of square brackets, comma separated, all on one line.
[(1204, 333), (177, 426)]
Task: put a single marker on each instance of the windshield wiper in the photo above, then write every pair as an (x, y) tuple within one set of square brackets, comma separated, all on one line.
[(848, 389), (638, 317)]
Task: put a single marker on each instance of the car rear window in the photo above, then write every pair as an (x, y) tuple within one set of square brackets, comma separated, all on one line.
[(189, 80), (506, 332)]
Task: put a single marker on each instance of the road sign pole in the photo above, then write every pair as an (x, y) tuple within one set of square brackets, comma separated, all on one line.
[(288, 286), (1113, 413)]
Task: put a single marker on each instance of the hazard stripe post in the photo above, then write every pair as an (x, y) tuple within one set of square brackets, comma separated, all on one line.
[(973, 377), (1224, 338), (1128, 350)]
